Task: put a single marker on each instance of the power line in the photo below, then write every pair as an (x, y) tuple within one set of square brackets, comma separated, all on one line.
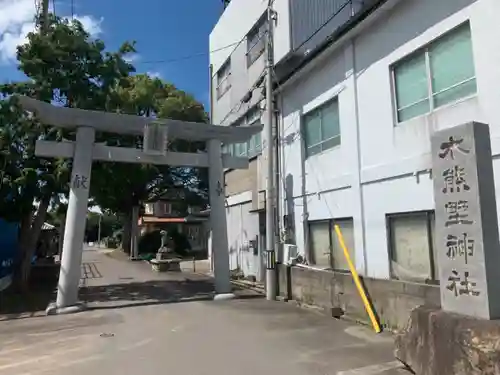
[(187, 57)]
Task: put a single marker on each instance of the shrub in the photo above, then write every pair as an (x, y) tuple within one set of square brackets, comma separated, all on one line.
[(149, 243)]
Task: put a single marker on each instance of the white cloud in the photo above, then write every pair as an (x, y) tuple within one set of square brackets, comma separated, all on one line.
[(91, 24), (132, 57), (154, 74), (17, 20)]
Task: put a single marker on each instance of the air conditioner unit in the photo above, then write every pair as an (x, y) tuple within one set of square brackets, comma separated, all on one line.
[(155, 139), (290, 253)]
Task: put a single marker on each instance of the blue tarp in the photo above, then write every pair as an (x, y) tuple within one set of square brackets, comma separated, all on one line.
[(8, 251)]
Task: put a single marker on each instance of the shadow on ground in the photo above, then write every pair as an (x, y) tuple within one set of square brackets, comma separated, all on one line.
[(153, 292), (42, 290)]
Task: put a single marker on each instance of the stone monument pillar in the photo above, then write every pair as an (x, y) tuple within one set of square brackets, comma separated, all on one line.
[(466, 221), (461, 338)]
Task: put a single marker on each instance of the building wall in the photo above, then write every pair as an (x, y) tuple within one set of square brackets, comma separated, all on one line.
[(381, 167), (243, 227), (233, 26), (241, 180), (238, 18)]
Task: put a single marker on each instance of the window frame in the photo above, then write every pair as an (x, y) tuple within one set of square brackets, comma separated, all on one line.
[(430, 94), (258, 30), (251, 117), (320, 109), (331, 238), (430, 219), (223, 79)]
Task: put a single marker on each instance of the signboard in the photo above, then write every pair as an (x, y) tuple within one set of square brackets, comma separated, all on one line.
[(466, 221), (8, 251)]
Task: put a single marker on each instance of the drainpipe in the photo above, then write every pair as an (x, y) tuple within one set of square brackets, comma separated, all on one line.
[(359, 186), (277, 159), (211, 119)]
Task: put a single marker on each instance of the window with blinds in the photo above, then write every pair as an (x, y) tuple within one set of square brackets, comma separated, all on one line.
[(326, 251), (256, 40), (412, 250), (224, 79), (439, 74)]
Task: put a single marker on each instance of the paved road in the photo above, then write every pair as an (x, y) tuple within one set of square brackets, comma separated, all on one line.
[(145, 323)]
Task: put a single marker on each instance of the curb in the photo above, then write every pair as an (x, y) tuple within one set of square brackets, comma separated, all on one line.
[(248, 286)]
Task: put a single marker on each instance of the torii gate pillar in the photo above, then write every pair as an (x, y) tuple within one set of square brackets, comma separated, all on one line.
[(76, 215), (218, 220)]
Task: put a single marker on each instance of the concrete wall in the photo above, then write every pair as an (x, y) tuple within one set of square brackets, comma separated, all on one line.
[(392, 300), (382, 167)]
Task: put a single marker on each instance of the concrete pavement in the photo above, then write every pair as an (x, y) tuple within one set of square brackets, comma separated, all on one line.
[(146, 323)]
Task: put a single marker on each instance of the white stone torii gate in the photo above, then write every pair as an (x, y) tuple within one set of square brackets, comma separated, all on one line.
[(84, 150)]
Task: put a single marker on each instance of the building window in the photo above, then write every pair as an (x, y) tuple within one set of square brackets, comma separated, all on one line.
[(326, 251), (165, 208), (224, 79), (148, 209), (321, 128), (441, 73), (241, 149), (228, 149), (253, 115), (254, 145), (251, 148), (256, 40), (412, 250)]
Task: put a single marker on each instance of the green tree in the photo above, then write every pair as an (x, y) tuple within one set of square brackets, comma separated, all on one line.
[(145, 96), (65, 66)]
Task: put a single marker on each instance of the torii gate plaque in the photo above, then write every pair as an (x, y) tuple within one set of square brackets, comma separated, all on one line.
[(84, 150)]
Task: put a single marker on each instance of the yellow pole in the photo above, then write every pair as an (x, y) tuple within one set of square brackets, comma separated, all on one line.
[(359, 286)]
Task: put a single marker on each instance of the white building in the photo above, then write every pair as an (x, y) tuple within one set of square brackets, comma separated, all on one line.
[(362, 85), (357, 121), (238, 78)]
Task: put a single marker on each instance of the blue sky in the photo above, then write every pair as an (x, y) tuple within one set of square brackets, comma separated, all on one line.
[(164, 30)]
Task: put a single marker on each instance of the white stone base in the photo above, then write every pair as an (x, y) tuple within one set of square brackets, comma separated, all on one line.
[(224, 297), (52, 309)]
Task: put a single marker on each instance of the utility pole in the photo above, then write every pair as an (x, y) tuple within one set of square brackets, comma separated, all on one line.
[(270, 175), (44, 16), (99, 231)]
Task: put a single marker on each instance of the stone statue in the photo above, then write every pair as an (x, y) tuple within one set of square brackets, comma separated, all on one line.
[(164, 238), (166, 249)]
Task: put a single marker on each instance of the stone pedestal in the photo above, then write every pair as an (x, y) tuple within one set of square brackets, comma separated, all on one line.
[(165, 265), (441, 343)]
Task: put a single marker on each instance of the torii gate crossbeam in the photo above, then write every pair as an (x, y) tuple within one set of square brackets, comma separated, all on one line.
[(85, 150)]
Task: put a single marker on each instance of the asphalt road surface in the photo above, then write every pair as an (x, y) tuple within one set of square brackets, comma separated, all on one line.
[(148, 324)]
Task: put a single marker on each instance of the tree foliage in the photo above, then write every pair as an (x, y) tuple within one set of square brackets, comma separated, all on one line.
[(67, 67), (145, 96)]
